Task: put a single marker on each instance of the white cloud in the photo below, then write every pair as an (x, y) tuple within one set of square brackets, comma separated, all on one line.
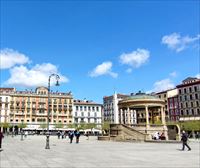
[(129, 70), (175, 42), (37, 76), (198, 76), (10, 58), (135, 58), (103, 69), (173, 74), (162, 85)]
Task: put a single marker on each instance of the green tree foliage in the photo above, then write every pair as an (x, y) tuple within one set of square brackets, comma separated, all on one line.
[(5, 125), (190, 125), (187, 125), (106, 126), (43, 126), (22, 125), (59, 125)]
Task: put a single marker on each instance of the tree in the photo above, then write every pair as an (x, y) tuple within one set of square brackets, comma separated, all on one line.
[(90, 126), (190, 125), (43, 126), (22, 125), (72, 125), (106, 126), (59, 125)]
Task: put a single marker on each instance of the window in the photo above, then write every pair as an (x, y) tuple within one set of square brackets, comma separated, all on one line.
[(198, 112), (186, 105), (84, 108), (185, 90), (88, 114), (190, 97), (76, 108), (191, 104), (33, 120), (185, 98), (192, 111), (81, 108), (181, 112), (197, 103), (82, 114), (196, 96), (75, 113), (89, 109), (195, 88), (179, 91), (190, 89), (97, 108)]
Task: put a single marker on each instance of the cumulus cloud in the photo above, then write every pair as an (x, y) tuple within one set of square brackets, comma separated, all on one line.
[(103, 69), (175, 42), (173, 74), (129, 70), (162, 85), (198, 76), (36, 76), (10, 58), (136, 58)]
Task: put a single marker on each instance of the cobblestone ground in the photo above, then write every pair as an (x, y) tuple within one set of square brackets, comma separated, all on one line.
[(93, 153)]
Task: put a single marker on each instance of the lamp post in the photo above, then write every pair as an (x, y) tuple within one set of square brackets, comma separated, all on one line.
[(48, 112), (22, 120)]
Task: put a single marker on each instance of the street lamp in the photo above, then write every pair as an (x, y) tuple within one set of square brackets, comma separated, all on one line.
[(48, 112), (22, 120)]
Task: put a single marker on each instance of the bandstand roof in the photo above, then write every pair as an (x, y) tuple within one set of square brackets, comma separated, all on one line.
[(142, 98)]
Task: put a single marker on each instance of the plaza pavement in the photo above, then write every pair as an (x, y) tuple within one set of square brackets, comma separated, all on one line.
[(93, 153)]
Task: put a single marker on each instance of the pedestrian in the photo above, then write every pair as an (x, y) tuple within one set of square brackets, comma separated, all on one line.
[(71, 136), (87, 135), (184, 139), (77, 134), (1, 137), (58, 134)]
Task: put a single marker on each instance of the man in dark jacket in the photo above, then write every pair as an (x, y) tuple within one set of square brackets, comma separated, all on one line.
[(1, 136), (184, 139)]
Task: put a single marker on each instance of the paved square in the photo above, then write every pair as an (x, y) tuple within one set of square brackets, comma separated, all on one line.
[(93, 153)]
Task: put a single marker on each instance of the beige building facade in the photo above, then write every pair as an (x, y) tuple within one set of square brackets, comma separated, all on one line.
[(31, 108)]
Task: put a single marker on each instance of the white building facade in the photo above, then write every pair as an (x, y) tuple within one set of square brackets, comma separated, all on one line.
[(87, 112), (110, 107)]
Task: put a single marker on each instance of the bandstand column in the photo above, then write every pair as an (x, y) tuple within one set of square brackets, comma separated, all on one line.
[(128, 115), (163, 115), (121, 116), (147, 116)]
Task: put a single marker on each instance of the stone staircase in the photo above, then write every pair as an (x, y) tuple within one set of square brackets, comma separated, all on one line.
[(121, 132)]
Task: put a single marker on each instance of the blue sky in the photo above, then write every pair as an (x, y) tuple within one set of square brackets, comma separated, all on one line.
[(98, 47)]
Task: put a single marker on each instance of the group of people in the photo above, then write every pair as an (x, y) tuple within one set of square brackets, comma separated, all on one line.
[(157, 136), (71, 135)]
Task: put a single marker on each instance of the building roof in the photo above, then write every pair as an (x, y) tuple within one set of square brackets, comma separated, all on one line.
[(142, 96)]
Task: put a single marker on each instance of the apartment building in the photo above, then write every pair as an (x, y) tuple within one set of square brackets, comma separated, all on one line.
[(85, 111), (31, 107), (189, 99), (4, 104), (110, 107), (173, 105)]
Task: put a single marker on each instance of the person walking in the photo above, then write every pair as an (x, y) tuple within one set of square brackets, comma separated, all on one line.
[(77, 134), (184, 139), (71, 136), (1, 137)]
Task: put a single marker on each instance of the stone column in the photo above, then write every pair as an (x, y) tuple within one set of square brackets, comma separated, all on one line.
[(128, 115), (147, 116), (163, 115), (121, 116)]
